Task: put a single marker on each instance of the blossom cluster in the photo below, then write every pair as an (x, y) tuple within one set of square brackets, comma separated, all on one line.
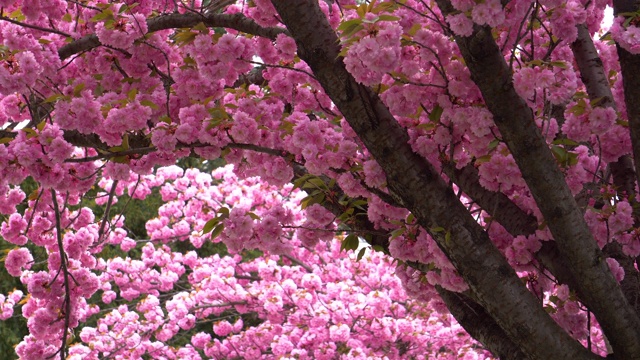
[(306, 299)]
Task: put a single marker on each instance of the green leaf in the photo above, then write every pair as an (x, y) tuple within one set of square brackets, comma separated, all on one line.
[(209, 225), (560, 64), (623, 123), (347, 214), (494, 144), (594, 103), (343, 52), (131, 95), (149, 103), (110, 24), (371, 6), (349, 24), (560, 153), (120, 159), (361, 10), (184, 37), (201, 27), (426, 126), (125, 142), (414, 29), (188, 60), (386, 7), (359, 204), (301, 180), (579, 108), (567, 142), (223, 213), (387, 18), (53, 98), (102, 16), (410, 218), (397, 232), (304, 203), (217, 231), (315, 183), (78, 89), (361, 253), (483, 159), (318, 198), (536, 62), (253, 216), (350, 27), (436, 113), (115, 149), (30, 132), (213, 123), (351, 242), (343, 245), (607, 37)]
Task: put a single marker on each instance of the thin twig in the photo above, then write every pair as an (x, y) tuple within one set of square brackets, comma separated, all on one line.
[(65, 273), (107, 209), (35, 27), (299, 263)]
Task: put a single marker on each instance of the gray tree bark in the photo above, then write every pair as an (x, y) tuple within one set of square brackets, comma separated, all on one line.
[(416, 184)]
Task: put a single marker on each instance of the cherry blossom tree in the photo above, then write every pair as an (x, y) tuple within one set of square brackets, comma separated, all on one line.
[(486, 151)]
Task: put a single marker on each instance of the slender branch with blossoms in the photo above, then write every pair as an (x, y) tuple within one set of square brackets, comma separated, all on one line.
[(66, 279)]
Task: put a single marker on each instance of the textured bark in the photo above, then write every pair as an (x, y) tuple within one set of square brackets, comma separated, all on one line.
[(175, 21), (467, 312), (546, 182), (475, 320), (631, 283), (597, 85), (624, 179), (591, 69), (630, 67), (515, 220), (416, 183)]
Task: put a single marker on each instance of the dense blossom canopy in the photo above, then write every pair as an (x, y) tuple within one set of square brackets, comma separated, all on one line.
[(387, 162)]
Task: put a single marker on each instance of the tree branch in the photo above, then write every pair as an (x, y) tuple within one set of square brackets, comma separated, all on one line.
[(515, 220), (417, 184), (475, 320), (498, 205), (630, 67), (546, 182), (597, 85), (65, 273), (299, 263), (175, 21), (467, 312), (34, 27)]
